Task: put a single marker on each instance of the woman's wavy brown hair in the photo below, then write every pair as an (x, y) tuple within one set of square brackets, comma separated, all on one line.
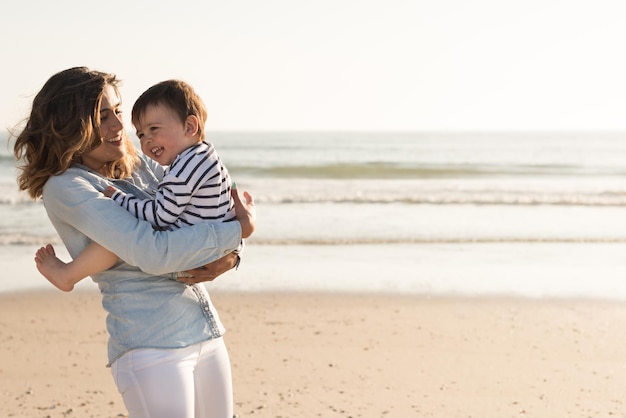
[(64, 123)]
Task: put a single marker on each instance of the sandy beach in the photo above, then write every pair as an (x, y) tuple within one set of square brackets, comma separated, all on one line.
[(342, 355)]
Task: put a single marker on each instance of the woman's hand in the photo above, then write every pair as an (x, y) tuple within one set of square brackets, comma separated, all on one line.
[(246, 212), (209, 272)]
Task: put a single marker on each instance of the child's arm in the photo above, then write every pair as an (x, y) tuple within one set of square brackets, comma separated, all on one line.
[(94, 259), (189, 175), (160, 211)]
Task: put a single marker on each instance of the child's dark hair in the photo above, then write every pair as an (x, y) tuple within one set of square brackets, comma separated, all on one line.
[(178, 96)]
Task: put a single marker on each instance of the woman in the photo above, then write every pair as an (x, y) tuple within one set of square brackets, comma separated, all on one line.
[(165, 349)]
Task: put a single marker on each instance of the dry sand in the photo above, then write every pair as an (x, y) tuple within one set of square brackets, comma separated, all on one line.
[(322, 355)]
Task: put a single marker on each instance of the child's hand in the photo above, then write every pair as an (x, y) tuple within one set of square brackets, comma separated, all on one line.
[(245, 212), (109, 191)]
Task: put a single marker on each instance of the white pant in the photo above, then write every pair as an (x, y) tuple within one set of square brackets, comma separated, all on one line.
[(190, 382)]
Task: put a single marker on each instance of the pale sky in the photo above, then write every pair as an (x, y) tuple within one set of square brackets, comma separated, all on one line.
[(408, 65)]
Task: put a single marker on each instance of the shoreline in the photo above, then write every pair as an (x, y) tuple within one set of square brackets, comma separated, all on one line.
[(302, 354), (529, 270)]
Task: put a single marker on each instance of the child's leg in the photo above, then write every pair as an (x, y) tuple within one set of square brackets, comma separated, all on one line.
[(93, 259)]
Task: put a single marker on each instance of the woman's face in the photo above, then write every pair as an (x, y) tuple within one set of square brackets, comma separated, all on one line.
[(113, 146)]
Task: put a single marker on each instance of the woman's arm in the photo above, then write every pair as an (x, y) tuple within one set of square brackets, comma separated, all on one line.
[(212, 270), (76, 204)]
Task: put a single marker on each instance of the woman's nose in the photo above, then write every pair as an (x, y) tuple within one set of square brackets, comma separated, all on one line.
[(119, 122)]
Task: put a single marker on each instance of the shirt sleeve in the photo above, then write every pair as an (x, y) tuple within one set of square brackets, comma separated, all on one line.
[(166, 207), (76, 204), (177, 188)]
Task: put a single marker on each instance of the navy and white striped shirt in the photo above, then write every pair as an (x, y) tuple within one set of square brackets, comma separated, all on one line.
[(195, 188)]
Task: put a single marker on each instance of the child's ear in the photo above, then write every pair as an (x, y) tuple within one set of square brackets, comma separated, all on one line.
[(192, 125)]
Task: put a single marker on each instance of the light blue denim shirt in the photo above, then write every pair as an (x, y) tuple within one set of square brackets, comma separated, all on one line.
[(146, 306)]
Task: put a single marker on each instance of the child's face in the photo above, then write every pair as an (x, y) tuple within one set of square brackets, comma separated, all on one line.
[(163, 135)]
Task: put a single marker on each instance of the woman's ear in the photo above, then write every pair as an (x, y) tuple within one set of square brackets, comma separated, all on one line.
[(192, 125)]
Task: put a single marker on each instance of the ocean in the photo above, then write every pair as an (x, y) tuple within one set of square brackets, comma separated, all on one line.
[(530, 214)]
